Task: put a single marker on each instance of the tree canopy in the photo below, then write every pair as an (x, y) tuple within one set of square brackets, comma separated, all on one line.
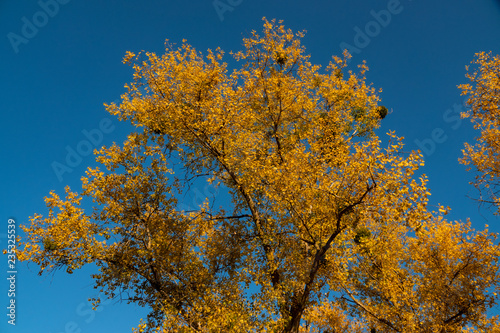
[(328, 229), (484, 112)]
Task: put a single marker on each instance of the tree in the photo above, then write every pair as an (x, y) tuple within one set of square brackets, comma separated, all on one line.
[(484, 101), (327, 230)]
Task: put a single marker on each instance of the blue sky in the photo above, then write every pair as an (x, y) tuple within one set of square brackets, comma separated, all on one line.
[(61, 62)]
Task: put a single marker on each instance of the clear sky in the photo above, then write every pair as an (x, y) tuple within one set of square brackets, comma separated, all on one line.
[(62, 60)]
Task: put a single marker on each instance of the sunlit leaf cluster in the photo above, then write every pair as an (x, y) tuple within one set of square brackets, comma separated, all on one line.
[(484, 112)]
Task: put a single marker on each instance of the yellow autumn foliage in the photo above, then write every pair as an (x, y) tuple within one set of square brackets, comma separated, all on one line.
[(328, 229), (483, 99)]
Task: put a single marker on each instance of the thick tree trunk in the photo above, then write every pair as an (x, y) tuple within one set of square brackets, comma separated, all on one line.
[(294, 323)]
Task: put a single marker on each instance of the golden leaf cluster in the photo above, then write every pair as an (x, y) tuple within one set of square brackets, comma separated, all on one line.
[(484, 112)]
